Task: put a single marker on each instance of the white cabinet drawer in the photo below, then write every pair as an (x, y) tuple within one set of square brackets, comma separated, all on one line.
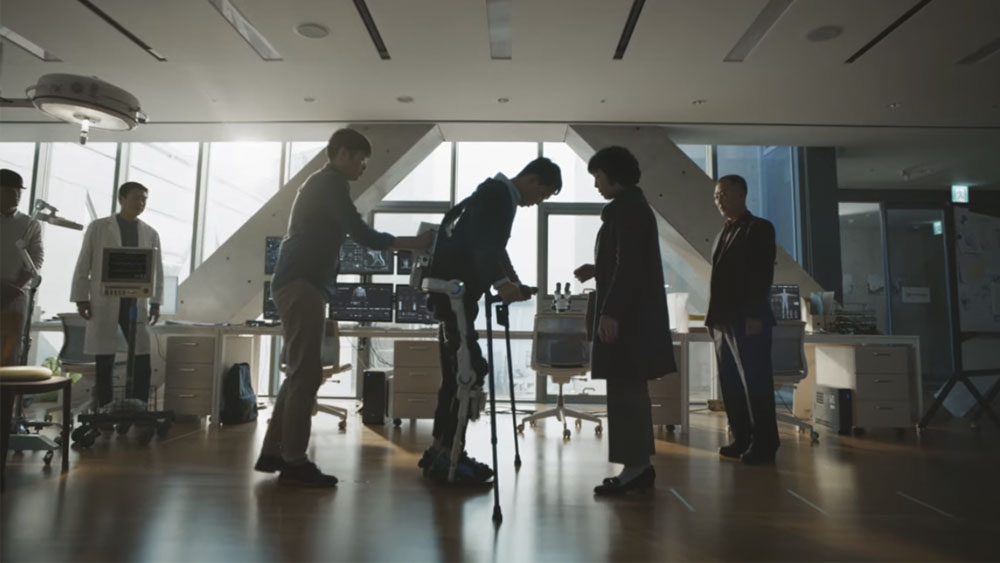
[(416, 380), (667, 386), (189, 376), (191, 349), (881, 414), (417, 353), (413, 405), (883, 387), (881, 359), (666, 411), (197, 402)]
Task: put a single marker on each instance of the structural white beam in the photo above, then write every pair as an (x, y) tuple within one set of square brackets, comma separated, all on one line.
[(681, 194), (228, 286)]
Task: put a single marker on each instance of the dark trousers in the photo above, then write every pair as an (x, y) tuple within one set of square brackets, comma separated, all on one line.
[(105, 366), (630, 419), (747, 383), (446, 415)]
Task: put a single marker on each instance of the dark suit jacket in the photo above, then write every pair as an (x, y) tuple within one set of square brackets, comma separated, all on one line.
[(742, 272), (472, 238), (630, 290)]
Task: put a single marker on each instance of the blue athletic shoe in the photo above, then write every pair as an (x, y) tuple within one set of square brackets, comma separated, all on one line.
[(436, 463)]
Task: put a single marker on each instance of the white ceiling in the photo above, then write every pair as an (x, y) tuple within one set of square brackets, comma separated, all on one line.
[(788, 91)]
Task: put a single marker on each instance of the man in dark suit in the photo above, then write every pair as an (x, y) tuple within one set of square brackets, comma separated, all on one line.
[(740, 320), (471, 247)]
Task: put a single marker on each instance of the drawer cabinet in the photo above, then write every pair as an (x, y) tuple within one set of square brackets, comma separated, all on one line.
[(666, 396), (881, 377), (416, 379), (188, 378)]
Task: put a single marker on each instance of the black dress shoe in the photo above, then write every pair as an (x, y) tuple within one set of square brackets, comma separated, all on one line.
[(615, 486), (734, 450), (269, 463), (758, 457)]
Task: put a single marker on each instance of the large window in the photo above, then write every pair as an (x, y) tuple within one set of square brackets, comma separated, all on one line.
[(571, 244), (81, 186), (241, 178), (299, 154), (772, 190), (429, 181), (578, 184), (20, 157), (699, 155), (170, 171)]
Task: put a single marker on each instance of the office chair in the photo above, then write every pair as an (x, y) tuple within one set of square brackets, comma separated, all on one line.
[(560, 350), (788, 361), (330, 355)]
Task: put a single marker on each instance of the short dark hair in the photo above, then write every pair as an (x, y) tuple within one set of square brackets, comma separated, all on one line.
[(736, 181), (618, 163), (11, 179), (129, 187), (548, 173), (349, 140)]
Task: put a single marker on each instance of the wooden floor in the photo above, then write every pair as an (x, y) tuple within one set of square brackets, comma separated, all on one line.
[(193, 497)]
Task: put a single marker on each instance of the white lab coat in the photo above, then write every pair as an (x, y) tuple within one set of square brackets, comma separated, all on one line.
[(102, 328)]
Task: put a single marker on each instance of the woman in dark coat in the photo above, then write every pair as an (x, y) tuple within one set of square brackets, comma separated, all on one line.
[(632, 342)]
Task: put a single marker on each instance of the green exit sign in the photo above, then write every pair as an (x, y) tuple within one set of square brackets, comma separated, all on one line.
[(960, 194)]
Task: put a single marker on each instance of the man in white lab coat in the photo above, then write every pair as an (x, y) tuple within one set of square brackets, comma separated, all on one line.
[(106, 314)]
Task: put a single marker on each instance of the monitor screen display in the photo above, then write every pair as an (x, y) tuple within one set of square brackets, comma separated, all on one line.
[(785, 302), (271, 246), (270, 309), (404, 262), (127, 265), (357, 259), (362, 302), (411, 306)]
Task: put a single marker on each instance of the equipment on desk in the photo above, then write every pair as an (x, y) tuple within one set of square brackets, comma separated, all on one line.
[(785, 302), (404, 262), (411, 306), (126, 273), (357, 259), (560, 348), (271, 247), (362, 302)]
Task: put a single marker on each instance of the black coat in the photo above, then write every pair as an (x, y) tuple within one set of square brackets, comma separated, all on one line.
[(742, 272), (630, 290)]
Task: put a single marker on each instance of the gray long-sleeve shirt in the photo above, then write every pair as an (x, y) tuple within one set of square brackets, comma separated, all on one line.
[(12, 229)]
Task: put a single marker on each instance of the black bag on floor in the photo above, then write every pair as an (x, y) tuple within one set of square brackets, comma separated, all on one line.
[(239, 403)]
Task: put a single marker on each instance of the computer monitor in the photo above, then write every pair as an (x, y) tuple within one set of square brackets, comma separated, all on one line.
[(357, 259), (411, 306), (169, 305), (127, 272), (270, 308), (404, 262), (271, 247), (362, 302), (785, 302)]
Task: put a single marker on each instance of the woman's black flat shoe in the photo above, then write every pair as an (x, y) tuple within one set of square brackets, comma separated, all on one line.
[(615, 486)]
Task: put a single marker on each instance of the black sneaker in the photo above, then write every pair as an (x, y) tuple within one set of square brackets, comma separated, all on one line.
[(733, 451), (437, 464), (269, 463), (306, 475)]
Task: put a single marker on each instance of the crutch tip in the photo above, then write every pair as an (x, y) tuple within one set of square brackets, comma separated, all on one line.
[(497, 515), (517, 461)]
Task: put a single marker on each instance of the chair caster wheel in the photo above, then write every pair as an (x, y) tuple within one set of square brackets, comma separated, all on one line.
[(598, 430), (397, 422), (520, 428), (342, 424), (122, 428), (814, 436), (566, 434), (671, 428), (579, 424), (48, 418), (532, 423), (48, 457)]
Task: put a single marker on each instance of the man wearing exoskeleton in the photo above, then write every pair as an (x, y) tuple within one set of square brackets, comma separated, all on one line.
[(471, 249)]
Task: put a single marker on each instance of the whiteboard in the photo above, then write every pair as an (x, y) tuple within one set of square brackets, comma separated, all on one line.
[(977, 252)]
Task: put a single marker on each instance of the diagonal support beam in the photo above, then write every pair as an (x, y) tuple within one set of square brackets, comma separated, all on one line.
[(228, 286)]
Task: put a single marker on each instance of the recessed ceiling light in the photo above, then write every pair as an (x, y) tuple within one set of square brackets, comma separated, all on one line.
[(404, 99), (309, 99), (503, 100), (824, 33), (894, 105), (603, 101), (699, 102), (312, 30)]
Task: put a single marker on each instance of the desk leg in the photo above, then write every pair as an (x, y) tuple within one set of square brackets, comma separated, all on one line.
[(67, 424), (220, 357), (7, 415)]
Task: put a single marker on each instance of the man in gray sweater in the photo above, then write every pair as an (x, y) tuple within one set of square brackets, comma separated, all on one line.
[(14, 272)]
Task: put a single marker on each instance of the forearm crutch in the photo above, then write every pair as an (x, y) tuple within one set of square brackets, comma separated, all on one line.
[(490, 299), (503, 319)]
